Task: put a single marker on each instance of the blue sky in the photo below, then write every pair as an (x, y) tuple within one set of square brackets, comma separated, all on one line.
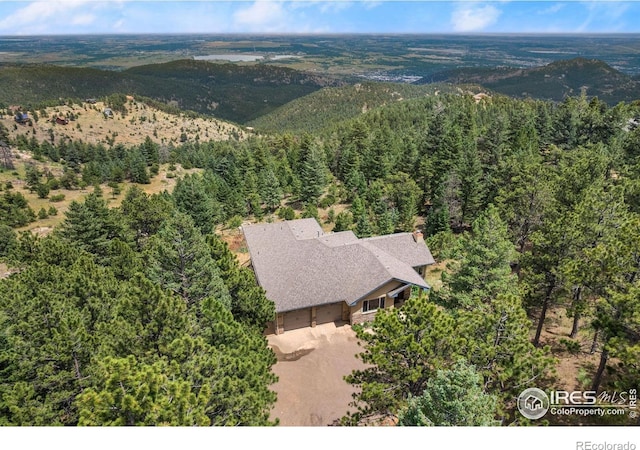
[(307, 16)]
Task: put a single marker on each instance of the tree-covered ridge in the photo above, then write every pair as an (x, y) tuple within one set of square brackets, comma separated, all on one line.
[(226, 91), (331, 105), (555, 81)]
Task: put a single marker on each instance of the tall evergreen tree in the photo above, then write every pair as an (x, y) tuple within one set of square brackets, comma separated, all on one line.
[(453, 397), (179, 261), (91, 225), (313, 170), (249, 304), (403, 349), (191, 198), (484, 271)]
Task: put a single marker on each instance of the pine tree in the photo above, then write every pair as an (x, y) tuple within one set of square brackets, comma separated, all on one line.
[(249, 304), (92, 225), (137, 169), (484, 271), (524, 200), (57, 301), (405, 195), (8, 242), (453, 397), (270, 190), (144, 214), (313, 171), (403, 349), (471, 185), (191, 198), (129, 393), (179, 261), (363, 226), (498, 345)]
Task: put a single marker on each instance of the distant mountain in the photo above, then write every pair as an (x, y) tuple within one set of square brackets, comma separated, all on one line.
[(227, 91), (327, 106), (554, 81)]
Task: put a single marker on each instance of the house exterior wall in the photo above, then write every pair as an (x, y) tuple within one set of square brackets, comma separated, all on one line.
[(307, 317), (310, 317), (357, 315)]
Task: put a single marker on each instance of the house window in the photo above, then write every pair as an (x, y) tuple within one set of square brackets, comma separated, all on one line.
[(373, 304)]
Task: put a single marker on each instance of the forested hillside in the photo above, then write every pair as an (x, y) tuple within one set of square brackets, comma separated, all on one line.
[(226, 91), (555, 81), (330, 105), (141, 315)]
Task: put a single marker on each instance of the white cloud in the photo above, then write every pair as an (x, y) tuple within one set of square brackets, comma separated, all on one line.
[(261, 16), (603, 16), (268, 16), (119, 24), (473, 17), (83, 19), (552, 9), (334, 7), (39, 14)]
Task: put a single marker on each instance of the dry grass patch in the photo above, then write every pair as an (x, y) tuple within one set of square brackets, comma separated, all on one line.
[(141, 121), (4, 271), (434, 273), (159, 183)]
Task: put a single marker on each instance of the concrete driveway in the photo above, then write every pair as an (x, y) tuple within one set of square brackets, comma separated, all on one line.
[(312, 363)]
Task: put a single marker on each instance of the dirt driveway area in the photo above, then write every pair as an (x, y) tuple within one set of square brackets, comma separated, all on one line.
[(312, 363)]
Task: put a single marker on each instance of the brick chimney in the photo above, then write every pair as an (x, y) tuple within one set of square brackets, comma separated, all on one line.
[(417, 236)]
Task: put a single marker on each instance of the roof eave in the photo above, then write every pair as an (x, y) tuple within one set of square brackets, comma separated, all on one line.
[(424, 287)]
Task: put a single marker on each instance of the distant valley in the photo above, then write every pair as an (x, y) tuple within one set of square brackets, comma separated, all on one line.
[(305, 82)]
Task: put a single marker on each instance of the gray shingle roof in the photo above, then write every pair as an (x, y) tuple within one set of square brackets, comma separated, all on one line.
[(403, 246), (300, 266)]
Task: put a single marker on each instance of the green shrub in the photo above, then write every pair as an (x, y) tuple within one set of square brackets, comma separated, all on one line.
[(42, 190), (234, 222), (572, 347), (56, 198), (42, 214), (286, 213), (444, 245), (53, 184)]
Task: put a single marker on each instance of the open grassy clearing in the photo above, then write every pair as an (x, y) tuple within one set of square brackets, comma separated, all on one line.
[(165, 180), (91, 125)]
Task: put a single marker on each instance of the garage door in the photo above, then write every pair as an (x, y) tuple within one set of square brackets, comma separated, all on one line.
[(271, 328), (297, 319), (329, 313)]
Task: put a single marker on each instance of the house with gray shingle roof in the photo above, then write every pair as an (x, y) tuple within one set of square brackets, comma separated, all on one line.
[(315, 277)]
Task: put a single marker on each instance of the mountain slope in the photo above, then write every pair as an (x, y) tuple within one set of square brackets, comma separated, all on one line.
[(554, 81), (227, 91), (88, 123), (330, 105)]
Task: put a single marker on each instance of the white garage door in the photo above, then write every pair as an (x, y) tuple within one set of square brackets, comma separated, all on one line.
[(329, 313), (297, 319)]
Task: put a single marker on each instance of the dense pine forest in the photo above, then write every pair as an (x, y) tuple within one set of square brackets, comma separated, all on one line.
[(140, 314)]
